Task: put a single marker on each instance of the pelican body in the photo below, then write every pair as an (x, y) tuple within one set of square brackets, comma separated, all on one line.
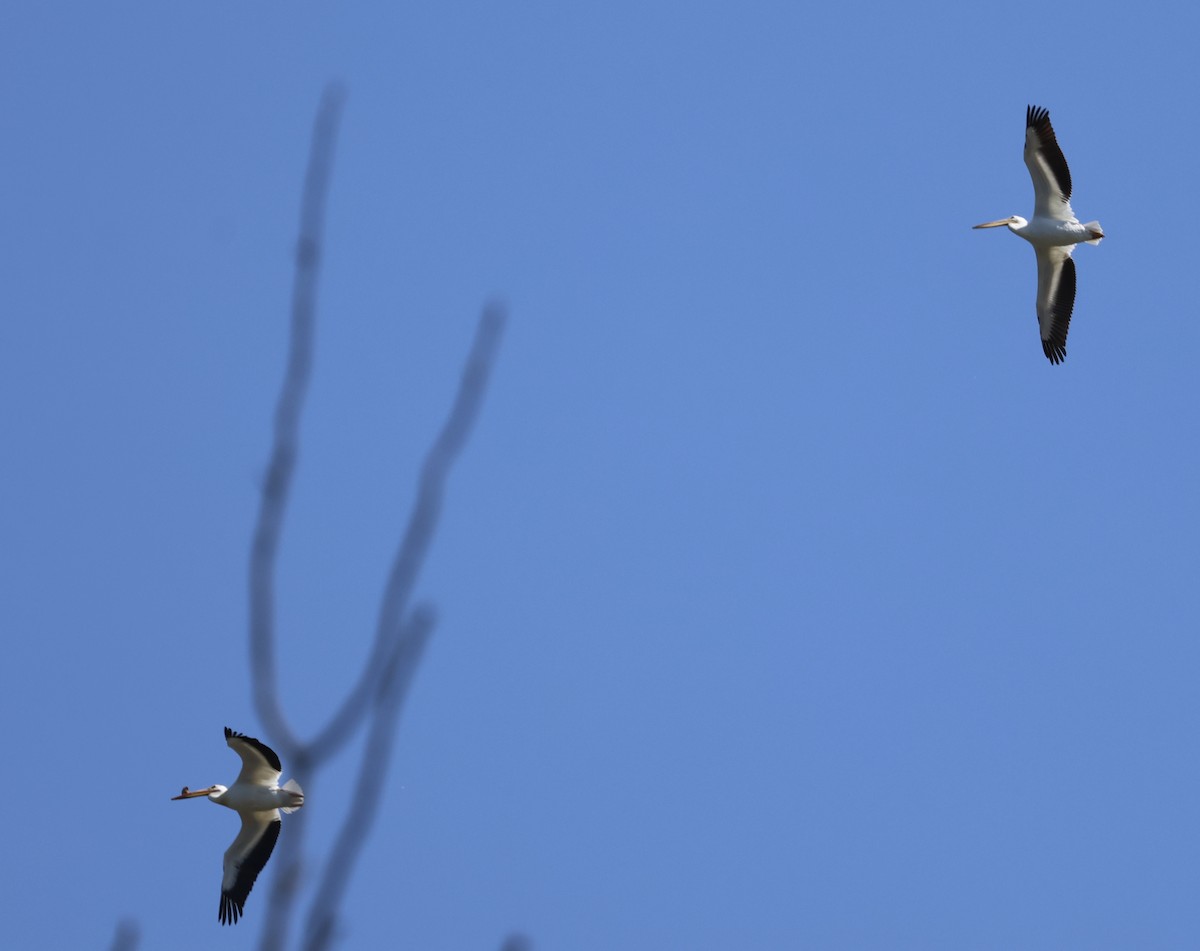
[(1053, 231), (258, 798)]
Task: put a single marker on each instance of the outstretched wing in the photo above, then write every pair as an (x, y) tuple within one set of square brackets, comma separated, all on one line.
[(1055, 299), (1047, 167), (260, 764), (245, 859)]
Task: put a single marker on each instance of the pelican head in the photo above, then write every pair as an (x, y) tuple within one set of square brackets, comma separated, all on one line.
[(215, 790), (1015, 222)]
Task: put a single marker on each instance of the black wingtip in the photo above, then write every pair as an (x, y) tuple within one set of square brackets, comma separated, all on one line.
[(1035, 116), (1054, 344), (230, 910), (1054, 352), (268, 754), (233, 901)]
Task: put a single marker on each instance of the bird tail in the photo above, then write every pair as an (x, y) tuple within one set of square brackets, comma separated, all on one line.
[(297, 796), (1096, 232)]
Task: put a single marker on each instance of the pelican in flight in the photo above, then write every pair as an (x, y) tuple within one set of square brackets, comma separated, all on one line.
[(258, 799), (1053, 231)]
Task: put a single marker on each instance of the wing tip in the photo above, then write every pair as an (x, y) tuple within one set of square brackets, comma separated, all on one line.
[(230, 910), (1056, 322), (1056, 353), (1035, 116), (265, 751), (233, 899)]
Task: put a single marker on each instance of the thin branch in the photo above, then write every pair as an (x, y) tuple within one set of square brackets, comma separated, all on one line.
[(389, 700), (280, 469), (421, 525), (399, 637), (126, 936)]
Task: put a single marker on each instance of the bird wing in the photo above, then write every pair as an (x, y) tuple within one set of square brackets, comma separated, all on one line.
[(1055, 299), (260, 763), (1047, 167), (245, 859)]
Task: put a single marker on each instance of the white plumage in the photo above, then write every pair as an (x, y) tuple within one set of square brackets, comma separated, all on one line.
[(1053, 231), (258, 798)]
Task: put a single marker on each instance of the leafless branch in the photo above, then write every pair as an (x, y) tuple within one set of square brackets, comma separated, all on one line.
[(400, 636), (360, 817), (421, 525), (307, 758), (126, 937), (277, 484)]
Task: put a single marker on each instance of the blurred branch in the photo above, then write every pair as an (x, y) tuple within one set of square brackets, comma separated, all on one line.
[(360, 817), (398, 646), (281, 467), (421, 525), (400, 637), (126, 937), (391, 644)]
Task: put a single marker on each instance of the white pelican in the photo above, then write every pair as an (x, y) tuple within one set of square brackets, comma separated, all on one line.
[(1054, 231), (258, 799)]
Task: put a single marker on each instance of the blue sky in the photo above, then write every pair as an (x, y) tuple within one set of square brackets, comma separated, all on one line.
[(788, 596)]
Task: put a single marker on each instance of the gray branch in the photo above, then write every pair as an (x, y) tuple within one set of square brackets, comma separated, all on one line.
[(422, 522), (400, 637), (364, 806), (126, 936), (282, 465)]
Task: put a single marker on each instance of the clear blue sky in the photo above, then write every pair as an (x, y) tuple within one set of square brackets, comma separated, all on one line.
[(789, 597)]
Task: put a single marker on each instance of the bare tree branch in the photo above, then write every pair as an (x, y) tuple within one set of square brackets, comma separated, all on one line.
[(360, 817), (400, 636), (421, 525), (126, 937), (277, 484), (390, 644)]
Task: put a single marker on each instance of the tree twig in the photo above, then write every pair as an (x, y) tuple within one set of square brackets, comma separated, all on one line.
[(421, 525), (364, 805), (126, 936), (280, 469), (399, 637)]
